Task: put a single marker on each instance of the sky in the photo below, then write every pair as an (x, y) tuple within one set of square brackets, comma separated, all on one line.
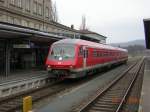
[(119, 20)]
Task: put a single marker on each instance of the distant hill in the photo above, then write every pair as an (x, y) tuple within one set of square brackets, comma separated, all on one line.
[(130, 43)]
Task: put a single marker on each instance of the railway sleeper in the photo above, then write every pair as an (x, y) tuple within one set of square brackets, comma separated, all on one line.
[(105, 105), (3, 109), (117, 91), (109, 103), (103, 109), (7, 108), (95, 111), (112, 96), (119, 88), (106, 100), (13, 103)]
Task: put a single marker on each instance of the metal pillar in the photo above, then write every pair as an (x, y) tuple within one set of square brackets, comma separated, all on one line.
[(7, 58)]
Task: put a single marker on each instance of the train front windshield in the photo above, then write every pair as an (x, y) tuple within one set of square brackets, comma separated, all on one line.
[(62, 52)]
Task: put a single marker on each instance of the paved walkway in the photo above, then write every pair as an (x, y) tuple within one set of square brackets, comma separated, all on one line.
[(145, 95)]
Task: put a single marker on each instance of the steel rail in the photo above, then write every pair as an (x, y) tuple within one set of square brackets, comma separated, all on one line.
[(88, 105), (11, 103), (129, 88)]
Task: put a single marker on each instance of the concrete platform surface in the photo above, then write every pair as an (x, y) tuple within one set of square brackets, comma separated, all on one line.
[(145, 95), (22, 81), (19, 75)]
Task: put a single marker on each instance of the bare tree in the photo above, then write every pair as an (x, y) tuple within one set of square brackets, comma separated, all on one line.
[(54, 12), (83, 24)]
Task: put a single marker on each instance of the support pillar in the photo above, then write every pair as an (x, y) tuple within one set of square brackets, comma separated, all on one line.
[(7, 58)]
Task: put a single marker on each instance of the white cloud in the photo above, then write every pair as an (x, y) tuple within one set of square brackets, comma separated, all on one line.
[(121, 20)]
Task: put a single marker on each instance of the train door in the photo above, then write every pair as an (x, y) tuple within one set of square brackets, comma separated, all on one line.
[(85, 56)]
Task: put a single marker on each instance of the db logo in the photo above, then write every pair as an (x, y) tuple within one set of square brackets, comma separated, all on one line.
[(59, 62)]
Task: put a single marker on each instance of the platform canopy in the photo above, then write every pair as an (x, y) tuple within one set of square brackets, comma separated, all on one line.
[(11, 31), (147, 32)]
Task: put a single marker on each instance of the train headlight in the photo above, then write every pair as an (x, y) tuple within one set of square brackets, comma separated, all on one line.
[(49, 66), (71, 67)]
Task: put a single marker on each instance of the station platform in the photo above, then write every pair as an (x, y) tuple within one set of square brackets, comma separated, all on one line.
[(22, 74), (21, 81), (145, 94)]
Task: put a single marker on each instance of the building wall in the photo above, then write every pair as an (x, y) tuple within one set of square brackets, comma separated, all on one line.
[(37, 14), (31, 13)]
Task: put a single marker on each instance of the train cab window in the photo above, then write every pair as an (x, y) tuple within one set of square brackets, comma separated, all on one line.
[(62, 52)]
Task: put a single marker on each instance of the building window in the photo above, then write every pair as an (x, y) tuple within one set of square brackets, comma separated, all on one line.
[(1, 0), (47, 12), (41, 27), (39, 9), (35, 7), (19, 3), (17, 21), (31, 25), (12, 2), (27, 6), (1, 17), (10, 20), (25, 23), (37, 26)]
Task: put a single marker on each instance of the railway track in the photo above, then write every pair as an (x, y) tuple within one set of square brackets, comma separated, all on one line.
[(113, 97), (14, 102)]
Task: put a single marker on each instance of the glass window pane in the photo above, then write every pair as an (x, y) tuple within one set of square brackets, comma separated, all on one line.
[(62, 52)]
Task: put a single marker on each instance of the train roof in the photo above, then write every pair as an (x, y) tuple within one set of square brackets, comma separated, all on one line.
[(88, 43)]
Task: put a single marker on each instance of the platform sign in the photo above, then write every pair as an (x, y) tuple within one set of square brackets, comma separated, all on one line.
[(21, 46)]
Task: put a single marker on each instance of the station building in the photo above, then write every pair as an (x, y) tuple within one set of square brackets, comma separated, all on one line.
[(92, 36), (27, 31)]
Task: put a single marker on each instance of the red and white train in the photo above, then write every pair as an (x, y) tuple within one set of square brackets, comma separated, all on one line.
[(74, 58)]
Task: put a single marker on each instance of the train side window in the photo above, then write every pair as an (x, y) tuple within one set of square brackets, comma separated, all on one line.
[(106, 53), (100, 54), (112, 54), (80, 51), (86, 53), (94, 53)]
